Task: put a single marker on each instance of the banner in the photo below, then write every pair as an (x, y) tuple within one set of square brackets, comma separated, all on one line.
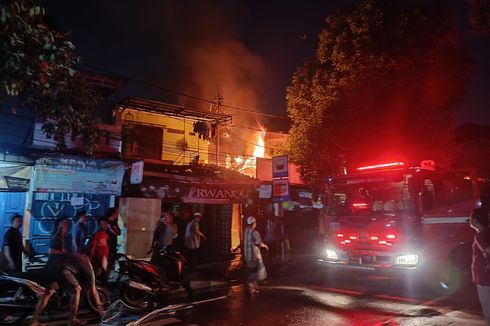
[(79, 175), (193, 193), (14, 177)]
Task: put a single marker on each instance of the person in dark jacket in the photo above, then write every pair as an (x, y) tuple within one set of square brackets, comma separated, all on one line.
[(113, 231), (13, 245)]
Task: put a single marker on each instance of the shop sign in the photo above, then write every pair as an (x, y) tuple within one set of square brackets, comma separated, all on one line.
[(223, 194), (79, 175), (280, 190), (280, 166), (265, 191), (14, 177), (137, 172)]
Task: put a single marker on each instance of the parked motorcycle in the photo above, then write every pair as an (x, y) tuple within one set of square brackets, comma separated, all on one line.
[(148, 283), (19, 295)]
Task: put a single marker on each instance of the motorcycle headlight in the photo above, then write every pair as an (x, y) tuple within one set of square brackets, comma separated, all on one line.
[(409, 259), (331, 254)]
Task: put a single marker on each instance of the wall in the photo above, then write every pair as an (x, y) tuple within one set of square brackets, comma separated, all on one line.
[(179, 144), (47, 207)]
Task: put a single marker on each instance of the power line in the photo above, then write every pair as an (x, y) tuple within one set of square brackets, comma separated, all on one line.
[(184, 94)]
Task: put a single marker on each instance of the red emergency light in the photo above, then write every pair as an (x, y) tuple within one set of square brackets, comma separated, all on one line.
[(381, 166), (360, 205)]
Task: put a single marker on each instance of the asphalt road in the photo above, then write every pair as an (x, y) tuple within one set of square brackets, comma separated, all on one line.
[(305, 295)]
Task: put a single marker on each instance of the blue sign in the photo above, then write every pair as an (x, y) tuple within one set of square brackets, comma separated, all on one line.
[(280, 166)]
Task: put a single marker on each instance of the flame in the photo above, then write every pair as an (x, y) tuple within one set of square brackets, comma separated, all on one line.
[(259, 149)]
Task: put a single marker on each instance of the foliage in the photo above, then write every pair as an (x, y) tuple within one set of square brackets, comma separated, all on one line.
[(381, 87), (36, 67), (479, 16)]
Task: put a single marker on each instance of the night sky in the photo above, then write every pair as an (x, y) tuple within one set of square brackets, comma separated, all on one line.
[(245, 50)]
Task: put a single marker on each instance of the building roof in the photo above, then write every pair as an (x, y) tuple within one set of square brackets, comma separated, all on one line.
[(173, 110)]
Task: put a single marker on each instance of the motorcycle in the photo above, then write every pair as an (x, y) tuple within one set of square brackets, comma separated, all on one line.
[(19, 295), (148, 283)]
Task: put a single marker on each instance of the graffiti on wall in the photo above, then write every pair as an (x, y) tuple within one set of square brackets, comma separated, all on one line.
[(49, 206)]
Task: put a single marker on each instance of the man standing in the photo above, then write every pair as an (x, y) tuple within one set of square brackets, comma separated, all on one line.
[(193, 237), (480, 265), (79, 232), (253, 258), (13, 245)]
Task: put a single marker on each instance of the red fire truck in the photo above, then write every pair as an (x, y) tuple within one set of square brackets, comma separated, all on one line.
[(396, 218)]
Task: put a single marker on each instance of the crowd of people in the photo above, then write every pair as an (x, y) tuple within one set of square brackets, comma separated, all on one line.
[(71, 264)]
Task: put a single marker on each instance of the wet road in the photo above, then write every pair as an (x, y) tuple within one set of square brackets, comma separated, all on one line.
[(304, 295)]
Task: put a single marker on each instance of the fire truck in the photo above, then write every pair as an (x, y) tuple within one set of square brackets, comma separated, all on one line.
[(402, 220)]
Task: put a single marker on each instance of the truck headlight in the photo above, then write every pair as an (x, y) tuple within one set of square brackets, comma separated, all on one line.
[(331, 254), (410, 259)]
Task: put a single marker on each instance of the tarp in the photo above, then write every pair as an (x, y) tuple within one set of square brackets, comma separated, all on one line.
[(14, 177), (79, 175)]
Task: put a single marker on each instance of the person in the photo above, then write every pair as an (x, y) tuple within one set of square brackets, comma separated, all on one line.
[(69, 270), (113, 231), (273, 239), (165, 233), (60, 270), (99, 249), (13, 245), (480, 265), (193, 237), (58, 239), (253, 259), (180, 221), (79, 232)]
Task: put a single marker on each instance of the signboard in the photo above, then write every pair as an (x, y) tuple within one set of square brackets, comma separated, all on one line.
[(193, 193), (216, 194), (265, 191), (137, 172), (79, 175), (280, 190), (14, 177), (280, 166)]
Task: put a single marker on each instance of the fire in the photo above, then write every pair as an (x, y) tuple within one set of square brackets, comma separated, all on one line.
[(259, 149)]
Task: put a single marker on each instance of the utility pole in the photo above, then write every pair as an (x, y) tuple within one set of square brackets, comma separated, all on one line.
[(219, 101)]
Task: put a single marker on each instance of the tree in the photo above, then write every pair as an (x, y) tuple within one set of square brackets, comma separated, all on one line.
[(479, 16), (381, 86), (36, 70)]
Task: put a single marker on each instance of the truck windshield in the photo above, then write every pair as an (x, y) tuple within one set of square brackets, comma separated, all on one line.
[(369, 196)]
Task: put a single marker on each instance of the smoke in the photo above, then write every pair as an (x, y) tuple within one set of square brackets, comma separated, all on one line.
[(215, 62)]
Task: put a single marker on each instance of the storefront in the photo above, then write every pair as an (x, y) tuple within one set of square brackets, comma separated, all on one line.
[(63, 186), (220, 202)]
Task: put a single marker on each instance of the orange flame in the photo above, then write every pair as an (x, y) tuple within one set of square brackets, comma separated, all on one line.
[(259, 149)]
